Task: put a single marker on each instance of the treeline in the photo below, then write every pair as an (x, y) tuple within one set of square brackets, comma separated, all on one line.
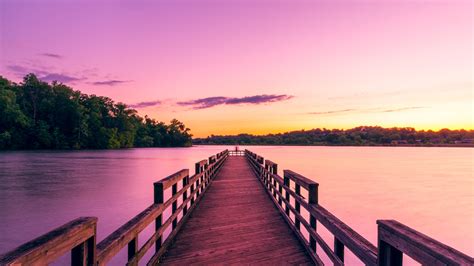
[(359, 136), (38, 115)]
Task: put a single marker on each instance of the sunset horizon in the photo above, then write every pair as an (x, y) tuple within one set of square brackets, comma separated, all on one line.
[(246, 67)]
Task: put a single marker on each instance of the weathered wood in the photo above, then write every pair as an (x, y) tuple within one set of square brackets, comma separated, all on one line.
[(339, 249), (362, 248), (298, 179), (174, 178), (132, 247), (85, 253), (112, 244), (50, 246), (331, 255), (199, 166), (271, 166), (395, 237), (243, 229), (312, 199), (245, 226), (158, 233)]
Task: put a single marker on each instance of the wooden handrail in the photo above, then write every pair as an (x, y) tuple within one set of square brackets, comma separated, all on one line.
[(281, 191), (80, 235), (77, 236), (128, 233), (395, 239), (236, 153)]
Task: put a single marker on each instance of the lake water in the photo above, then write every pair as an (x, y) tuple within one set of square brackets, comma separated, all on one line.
[(429, 189)]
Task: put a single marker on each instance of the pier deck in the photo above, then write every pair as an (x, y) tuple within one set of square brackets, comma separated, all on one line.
[(236, 222)]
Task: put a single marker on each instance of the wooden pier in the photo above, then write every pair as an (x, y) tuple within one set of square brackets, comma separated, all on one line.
[(235, 209)]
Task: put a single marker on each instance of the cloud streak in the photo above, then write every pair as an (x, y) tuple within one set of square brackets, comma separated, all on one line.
[(110, 82), (51, 55), (48, 76), (402, 109), (145, 104), (209, 102), (366, 110)]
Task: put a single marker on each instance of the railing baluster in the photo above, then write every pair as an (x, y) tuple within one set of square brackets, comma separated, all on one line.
[(185, 194), (286, 181), (312, 199), (158, 199), (388, 255), (297, 206), (280, 189), (84, 254), (132, 248), (174, 206), (339, 249)]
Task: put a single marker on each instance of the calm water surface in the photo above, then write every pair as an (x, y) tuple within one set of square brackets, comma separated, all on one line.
[(430, 189)]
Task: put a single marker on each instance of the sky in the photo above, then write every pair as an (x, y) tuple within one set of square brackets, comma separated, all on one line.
[(242, 66)]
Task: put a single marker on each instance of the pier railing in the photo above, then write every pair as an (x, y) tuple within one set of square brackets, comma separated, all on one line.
[(236, 153), (77, 236), (394, 237), (80, 235), (295, 196)]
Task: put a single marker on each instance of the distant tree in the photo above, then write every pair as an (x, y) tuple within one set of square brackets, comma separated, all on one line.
[(38, 115)]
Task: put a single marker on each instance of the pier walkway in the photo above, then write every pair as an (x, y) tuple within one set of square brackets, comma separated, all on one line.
[(236, 222), (234, 209)]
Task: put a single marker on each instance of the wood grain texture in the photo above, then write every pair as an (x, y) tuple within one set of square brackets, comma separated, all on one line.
[(50, 246), (236, 223), (420, 247)]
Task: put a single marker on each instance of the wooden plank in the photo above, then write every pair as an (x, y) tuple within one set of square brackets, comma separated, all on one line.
[(245, 226), (361, 247), (418, 246), (50, 246), (113, 243)]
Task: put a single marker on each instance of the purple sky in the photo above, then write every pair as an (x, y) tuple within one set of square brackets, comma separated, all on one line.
[(248, 66)]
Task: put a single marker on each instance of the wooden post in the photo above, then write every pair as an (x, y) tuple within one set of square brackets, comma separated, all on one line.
[(339, 249), (185, 194), (84, 253), (297, 206), (192, 190), (174, 206), (286, 181), (198, 170), (132, 248), (388, 255), (312, 199), (158, 199), (280, 189)]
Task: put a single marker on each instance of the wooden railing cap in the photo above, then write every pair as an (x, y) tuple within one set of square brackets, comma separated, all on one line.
[(202, 163), (421, 242), (270, 163), (299, 179), (172, 179), (73, 232)]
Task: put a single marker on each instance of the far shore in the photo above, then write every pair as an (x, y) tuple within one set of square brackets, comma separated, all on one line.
[(374, 145)]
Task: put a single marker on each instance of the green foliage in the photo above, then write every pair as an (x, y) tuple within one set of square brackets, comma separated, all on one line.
[(38, 115), (356, 137)]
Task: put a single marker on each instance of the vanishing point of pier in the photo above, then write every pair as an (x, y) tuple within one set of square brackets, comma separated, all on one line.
[(234, 209)]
